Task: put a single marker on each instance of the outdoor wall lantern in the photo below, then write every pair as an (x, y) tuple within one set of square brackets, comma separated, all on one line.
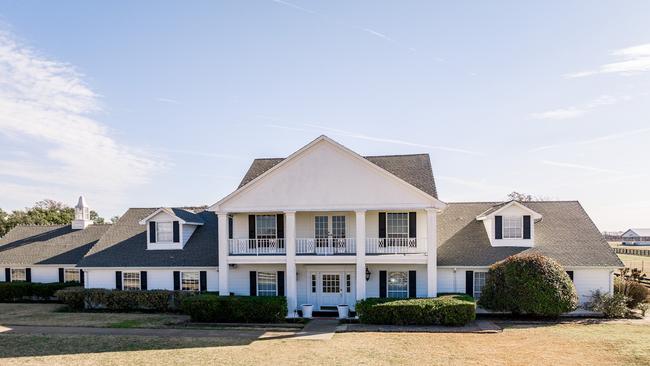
[(367, 274)]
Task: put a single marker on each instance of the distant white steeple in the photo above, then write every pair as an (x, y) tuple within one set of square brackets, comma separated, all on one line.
[(81, 215)]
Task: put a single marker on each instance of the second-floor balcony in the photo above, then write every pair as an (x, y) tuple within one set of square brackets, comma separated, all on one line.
[(396, 246), (325, 246), (272, 246)]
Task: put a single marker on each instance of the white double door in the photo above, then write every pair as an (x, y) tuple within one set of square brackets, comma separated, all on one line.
[(331, 288)]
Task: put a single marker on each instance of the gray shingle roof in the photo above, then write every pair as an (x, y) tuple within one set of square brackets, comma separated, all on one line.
[(187, 216), (414, 169), (125, 244), (48, 244), (565, 233)]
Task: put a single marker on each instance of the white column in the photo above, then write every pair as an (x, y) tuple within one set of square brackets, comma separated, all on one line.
[(361, 253), (290, 245), (223, 254), (432, 252)]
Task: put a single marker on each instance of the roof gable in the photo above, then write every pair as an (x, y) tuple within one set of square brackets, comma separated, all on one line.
[(496, 209), (324, 174), (183, 215)]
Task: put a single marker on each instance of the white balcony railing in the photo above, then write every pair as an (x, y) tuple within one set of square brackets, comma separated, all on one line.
[(256, 246), (396, 245), (325, 246)]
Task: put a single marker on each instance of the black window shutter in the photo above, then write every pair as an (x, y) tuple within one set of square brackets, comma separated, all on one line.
[(469, 283), (230, 226), (413, 231), (570, 273), (143, 280), (61, 277), (177, 281), (382, 225), (82, 280), (280, 283), (279, 222), (412, 284), (118, 280), (176, 232), (7, 274), (253, 283), (526, 226), (28, 274), (152, 231), (382, 283), (251, 227), (498, 227), (203, 281)]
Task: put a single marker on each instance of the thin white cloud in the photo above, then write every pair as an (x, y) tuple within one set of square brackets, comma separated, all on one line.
[(632, 60), (47, 108), (579, 166), (202, 153), (168, 101), (478, 185), (297, 7), (579, 110), (310, 127), (613, 136)]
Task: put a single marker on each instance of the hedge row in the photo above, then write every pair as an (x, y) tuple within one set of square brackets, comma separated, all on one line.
[(443, 310), (235, 309), (31, 291), (79, 298)]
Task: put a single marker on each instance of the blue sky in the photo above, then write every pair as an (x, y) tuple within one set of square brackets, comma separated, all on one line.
[(166, 103)]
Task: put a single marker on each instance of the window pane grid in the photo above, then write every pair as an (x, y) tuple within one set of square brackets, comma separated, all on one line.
[(479, 283), (512, 227), (71, 275), (131, 281), (164, 231), (266, 227), (397, 285), (397, 225), (331, 283), (266, 284), (190, 281), (338, 227), (348, 283), (18, 274)]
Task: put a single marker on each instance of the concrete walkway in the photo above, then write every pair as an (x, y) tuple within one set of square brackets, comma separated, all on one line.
[(319, 330)]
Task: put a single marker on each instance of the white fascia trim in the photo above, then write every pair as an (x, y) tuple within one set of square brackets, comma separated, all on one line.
[(325, 208), (37, 265), (149, 268), (215, 207), (534, 215), (170, 213)]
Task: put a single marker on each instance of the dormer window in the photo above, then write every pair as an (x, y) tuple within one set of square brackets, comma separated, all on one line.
[(164, 232), (513, 227)]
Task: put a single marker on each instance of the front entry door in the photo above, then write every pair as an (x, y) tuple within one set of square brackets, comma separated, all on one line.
[(331, 290)]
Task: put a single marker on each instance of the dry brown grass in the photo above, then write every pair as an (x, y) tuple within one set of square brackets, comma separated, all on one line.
[(50, 315), (563, 344)]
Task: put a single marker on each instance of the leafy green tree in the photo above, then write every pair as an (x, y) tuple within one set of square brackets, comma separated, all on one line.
[(94, 216), (114, 219)]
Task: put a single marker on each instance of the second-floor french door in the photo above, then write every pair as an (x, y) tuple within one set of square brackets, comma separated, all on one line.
[(327, 235)]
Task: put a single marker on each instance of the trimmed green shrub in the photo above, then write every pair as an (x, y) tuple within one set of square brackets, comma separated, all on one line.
[(530, 284), (444, 310), (635, 291), (612, 306), (78, 298), (210, 308), (31, 291)]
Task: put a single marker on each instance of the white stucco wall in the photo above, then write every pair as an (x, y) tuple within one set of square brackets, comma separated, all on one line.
[(239, 278), (372, 285)]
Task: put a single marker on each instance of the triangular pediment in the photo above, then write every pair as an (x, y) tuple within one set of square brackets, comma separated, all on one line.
[(325, 175)]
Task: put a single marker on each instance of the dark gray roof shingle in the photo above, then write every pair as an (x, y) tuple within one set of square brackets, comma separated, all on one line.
[(565, 233), (48, 244), (187, 216), (415, 169), (125, 244)]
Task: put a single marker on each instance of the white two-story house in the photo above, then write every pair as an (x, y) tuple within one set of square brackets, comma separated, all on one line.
[(324, 226)]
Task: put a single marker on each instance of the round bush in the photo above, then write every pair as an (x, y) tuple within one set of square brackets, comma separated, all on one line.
[(529, 284)]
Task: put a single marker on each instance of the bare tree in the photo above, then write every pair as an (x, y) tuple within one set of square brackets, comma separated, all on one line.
[(524, 197)]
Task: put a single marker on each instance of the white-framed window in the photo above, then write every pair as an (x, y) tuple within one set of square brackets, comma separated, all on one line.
[(398, 284), (18, 275), (479, 283), (164, 231), (348, 283), (313, 282), (331, 283), (397, 225), (513, 227), (130, 280), (267, 284), (338, 227), (266, 227), (71, 275), (190, 281)]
